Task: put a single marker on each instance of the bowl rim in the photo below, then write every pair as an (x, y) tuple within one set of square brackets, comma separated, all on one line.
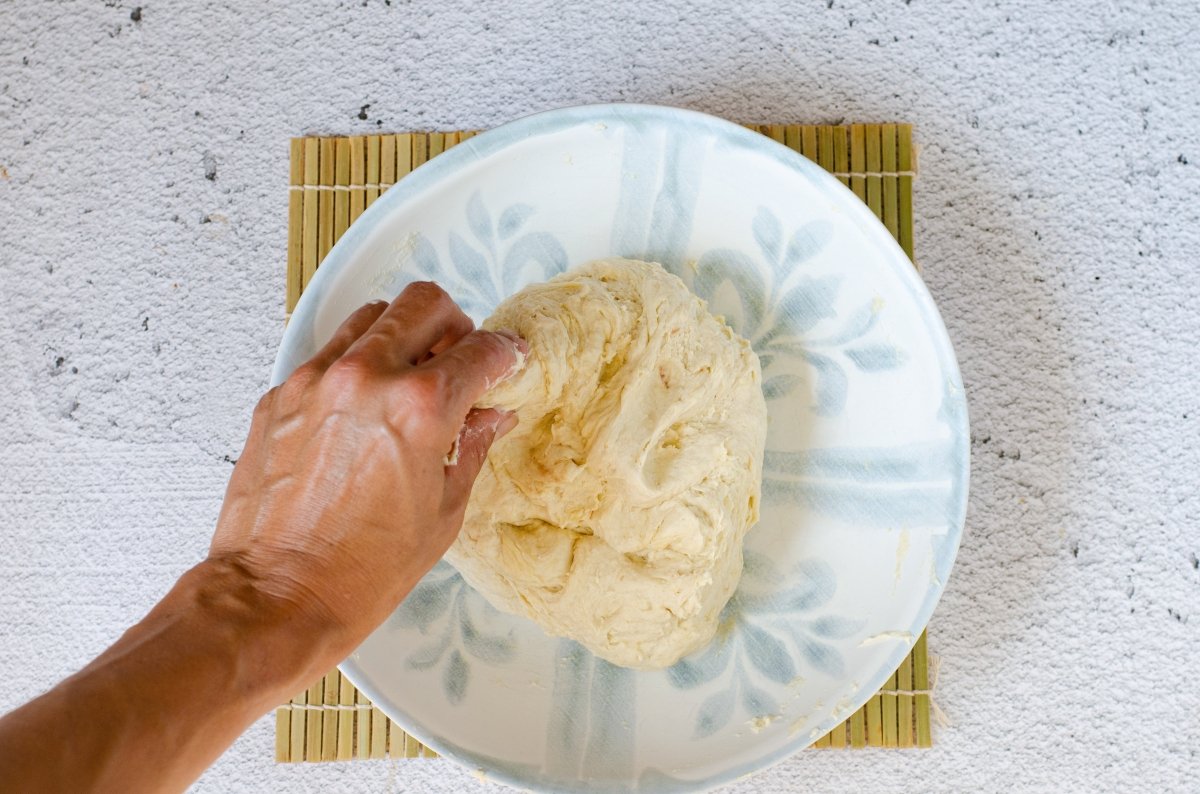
[(487, 143)]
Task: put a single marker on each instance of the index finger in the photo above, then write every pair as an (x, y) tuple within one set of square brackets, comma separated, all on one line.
[(476, 363)]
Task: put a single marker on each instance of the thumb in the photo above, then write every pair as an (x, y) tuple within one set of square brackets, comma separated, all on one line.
[(481, 428)]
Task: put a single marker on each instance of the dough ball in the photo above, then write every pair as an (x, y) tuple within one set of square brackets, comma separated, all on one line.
[(614, 513)]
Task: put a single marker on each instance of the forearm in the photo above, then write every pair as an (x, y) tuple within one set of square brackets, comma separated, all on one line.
[(167, 698)]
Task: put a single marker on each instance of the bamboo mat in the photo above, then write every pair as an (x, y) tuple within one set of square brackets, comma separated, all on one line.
[(334, 179)]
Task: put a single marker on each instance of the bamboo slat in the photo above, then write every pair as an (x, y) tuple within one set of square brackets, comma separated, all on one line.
[(329, 723), (362, 152), (325, 200), (295, 270), (333, 180), (370, 172), (314, 732)]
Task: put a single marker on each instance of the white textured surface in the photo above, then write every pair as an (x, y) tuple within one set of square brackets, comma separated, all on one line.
[(1057, 223)]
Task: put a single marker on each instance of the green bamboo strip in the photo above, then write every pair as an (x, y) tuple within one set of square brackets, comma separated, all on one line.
[(341, 198), (887, 704), (297, 727), (808, 142), (905, 164), (325, 200), (372, 170), (332, 689), (295, 268), (437, 144), (841, 153), (874, 166), (777, 132), (362, 152), (920, 656), (379, 733), (837, 737), (315, 726), (345, 729), (412, 748), (858, 728), (362, 727), (891, 184), (874, 712), (904, 706), (420, 150), (283, 733), (389, 158), (858, 160), (827, 148), (791, 137), (312, 175), (404, 153)]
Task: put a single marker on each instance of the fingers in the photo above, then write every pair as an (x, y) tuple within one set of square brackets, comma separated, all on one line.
[(351, 329), (482, 427), (474, 364), (421, 320)]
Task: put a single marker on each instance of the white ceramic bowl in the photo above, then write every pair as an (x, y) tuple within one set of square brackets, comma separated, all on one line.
[(865, 476)]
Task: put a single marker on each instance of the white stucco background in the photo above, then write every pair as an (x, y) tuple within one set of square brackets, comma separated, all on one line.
[(142, 231)]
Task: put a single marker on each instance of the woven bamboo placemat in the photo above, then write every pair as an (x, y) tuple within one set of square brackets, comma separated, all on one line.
[(334, 179)]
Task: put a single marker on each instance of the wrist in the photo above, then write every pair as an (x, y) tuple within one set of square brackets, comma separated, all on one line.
[(277, 645)]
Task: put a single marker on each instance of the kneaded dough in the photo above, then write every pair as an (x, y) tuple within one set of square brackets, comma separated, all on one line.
[(614, 513)]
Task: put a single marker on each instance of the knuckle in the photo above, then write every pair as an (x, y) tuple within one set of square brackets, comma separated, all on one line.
[(425, 390), (304, 374), (351, 371), (264, 404), (426, 292)]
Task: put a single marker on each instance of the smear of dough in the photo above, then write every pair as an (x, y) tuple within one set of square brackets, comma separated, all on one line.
[(614, 513)]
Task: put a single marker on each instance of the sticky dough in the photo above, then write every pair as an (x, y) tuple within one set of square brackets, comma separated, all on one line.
[(614, 513)]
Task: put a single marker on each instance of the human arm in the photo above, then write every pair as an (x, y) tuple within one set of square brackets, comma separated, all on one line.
[(339, 503)]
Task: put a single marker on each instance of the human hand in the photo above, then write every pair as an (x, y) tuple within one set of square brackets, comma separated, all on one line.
[(342, 498)]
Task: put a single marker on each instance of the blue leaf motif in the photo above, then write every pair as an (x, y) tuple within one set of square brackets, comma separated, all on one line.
[(470, 263), (714, 713), (835, 628), (427, 602), (817, 586), (721, 266), (805, 305), (862, 321), (821, 656), (768, 233), (758, 566), (694, 670), (831, 384), (491, 649), (479, 220), (454, 678), (757, 702), (781, 385), (807, 242), (533, 257), (431, 654), (512, 219), (875, 358), (425, 257), (768, 654)]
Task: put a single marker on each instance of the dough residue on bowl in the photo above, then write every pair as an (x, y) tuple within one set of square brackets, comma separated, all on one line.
[(614, 513)]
